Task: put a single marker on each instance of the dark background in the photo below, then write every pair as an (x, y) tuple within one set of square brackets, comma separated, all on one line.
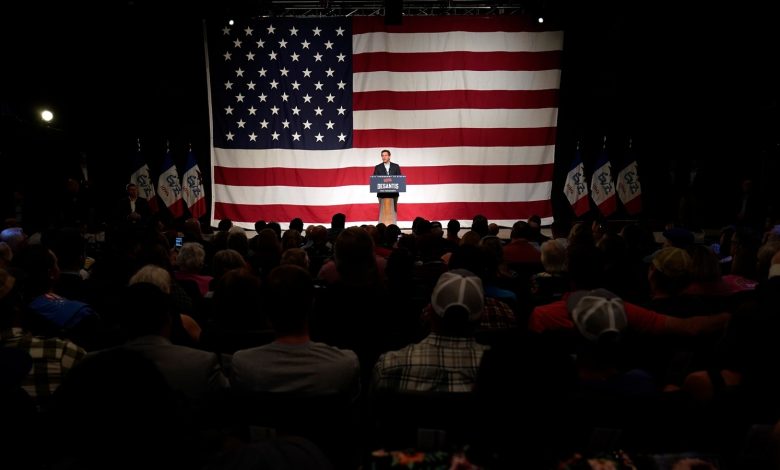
[(687, 85)]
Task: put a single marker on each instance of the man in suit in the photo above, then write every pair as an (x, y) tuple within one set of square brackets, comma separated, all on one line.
[(384, 169), (133, 209)]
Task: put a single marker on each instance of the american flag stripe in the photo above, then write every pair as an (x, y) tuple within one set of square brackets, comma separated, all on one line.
[(418, 194), (436, 157), (328, 177), (455, 118), (462, 211), (455, 136), (454, 99), (468, 106), (455, 80), (456, 60)]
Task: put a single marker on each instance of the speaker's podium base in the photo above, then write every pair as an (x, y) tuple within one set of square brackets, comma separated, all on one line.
[(387, 212)]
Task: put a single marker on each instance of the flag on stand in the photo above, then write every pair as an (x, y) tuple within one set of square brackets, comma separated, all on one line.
[(576, 188), (628, 187), (602, 187), (169, 188), (192, 188), (302, 107), (143, 180)]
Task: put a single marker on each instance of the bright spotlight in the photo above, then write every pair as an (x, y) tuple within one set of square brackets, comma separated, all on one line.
[(47, 115), (231, 22), (540, 20)]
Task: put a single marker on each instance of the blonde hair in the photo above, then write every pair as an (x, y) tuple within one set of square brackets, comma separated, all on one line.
[(153, 274)]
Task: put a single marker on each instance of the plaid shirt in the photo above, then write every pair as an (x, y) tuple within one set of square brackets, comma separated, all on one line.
[(436, 364), (52, 359), (495, 314)]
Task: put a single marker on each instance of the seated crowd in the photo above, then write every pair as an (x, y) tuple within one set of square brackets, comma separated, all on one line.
[(312, 347)]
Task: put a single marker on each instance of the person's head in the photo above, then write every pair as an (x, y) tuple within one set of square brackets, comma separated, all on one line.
[(600, 317), (146, 310), (192, 229), (521, 229), (152, 274), (670, 270), (457, 301), (132, 190), (553, 256), (292, 297), (597, 314), (353, 253), (224, 225), (226, 260), (479, 224), (191, 257), (385, 156), (296, 256), (297, 224), (338, 221), (453, 227)]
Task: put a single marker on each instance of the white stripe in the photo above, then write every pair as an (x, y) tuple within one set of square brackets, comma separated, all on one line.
[(456, 41), (368, 157), (455, 118), (456, 80), (358, 194)]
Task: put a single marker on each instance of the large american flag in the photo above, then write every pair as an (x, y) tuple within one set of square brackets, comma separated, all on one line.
[(302, 107)]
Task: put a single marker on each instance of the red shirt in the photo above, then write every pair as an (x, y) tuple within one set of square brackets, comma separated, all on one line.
[(555, 316)]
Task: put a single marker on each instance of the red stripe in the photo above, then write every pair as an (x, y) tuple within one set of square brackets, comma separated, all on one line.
[(364, 212), (462, 60), (199, 208), (177, 208), (608, 206), (441, 24), (458, 137), (581, 206), (634, 206), (455, 99), (320, 178)]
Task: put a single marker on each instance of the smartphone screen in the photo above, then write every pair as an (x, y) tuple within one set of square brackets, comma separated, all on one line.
[(178, 242)]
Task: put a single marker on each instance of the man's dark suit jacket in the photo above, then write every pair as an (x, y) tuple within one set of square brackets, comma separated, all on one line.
[(379, 170), (141, 207)]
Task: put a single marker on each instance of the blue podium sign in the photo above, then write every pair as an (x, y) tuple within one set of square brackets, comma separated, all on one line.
[(387, 184)]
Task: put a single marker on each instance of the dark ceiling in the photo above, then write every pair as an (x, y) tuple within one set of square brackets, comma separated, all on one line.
[(680, 80)]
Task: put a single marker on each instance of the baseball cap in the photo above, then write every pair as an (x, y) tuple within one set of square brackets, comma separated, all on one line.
[(673, 262), (461, 288), (597, 312)]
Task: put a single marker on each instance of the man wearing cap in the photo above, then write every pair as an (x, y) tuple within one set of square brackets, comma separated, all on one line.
[(448, 359), (556, 316)]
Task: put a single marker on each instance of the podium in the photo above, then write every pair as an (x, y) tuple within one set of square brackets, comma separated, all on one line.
[(387, 188)]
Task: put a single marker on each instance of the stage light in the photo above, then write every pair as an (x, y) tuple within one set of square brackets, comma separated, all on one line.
[(47, 115), (540, 20)]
